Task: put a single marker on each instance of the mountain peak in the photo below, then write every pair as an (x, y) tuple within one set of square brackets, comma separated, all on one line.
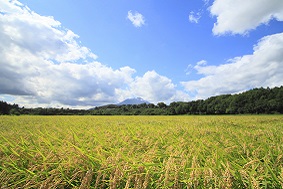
[(135, 100)]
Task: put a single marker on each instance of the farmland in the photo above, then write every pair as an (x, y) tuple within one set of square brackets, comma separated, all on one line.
[(141, 151)]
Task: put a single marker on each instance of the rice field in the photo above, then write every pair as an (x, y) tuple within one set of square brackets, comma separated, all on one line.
[(141, 152)]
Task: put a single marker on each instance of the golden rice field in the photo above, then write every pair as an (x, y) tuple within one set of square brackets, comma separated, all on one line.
[(141, 152)]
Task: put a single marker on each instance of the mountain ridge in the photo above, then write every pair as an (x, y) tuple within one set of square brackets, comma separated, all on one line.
[(133, 101)]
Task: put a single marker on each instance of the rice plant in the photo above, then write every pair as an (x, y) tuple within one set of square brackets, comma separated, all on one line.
[(141, 152)]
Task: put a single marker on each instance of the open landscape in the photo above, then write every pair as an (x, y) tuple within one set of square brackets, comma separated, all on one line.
[(141, 94), (243, 151)]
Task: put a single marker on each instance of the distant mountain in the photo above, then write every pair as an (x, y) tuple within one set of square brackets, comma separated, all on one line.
[(131, 101)]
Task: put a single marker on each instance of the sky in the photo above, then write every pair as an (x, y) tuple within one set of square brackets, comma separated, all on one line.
[(81, 54)]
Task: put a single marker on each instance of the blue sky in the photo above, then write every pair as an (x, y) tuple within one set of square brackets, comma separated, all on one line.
[(86, 53)]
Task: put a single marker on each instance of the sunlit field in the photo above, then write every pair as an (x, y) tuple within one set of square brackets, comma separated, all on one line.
[(141, 152)]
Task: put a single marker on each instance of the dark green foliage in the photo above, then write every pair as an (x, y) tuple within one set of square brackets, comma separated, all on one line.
[(6, 109), (255, 101)]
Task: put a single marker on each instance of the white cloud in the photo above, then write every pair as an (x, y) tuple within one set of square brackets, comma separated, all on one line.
[(201, 63), (42, 64), (155, 88), (188, 70), (263, 68), (194, 17), (136, 18), (241, 16)]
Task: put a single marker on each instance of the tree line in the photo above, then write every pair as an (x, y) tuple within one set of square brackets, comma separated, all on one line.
[(255, 101)]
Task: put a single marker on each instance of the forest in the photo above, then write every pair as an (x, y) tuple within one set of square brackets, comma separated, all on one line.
[(255, 101)]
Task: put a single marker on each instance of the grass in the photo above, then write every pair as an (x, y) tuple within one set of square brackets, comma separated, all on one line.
[(141, 152)]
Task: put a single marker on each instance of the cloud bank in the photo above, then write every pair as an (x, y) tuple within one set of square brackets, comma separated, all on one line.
[(241, 16), (263, 68), (42, 63)]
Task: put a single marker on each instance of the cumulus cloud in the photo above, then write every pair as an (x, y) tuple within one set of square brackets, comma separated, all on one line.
[(136, 18), (154, 88), (263, 68), (42, 64), (241, 16)]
